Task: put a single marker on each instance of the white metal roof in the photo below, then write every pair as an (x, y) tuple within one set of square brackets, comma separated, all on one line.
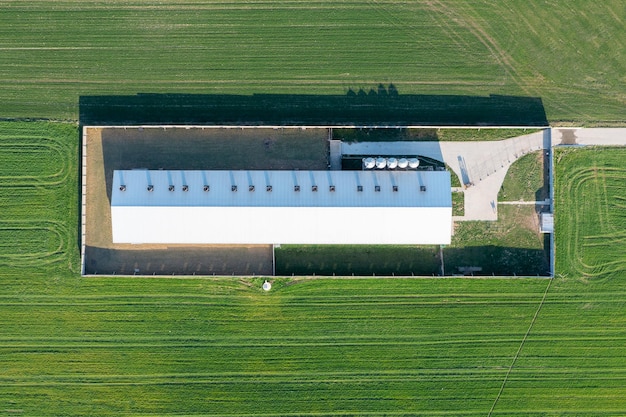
[(282, 215), (346, 192)]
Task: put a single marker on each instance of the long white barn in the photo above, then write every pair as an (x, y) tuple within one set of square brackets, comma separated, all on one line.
[(281, 207)]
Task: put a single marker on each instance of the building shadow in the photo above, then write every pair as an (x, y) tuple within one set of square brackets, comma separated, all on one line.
[(491, 260), (358, 260), (383, 106), (180, 260)]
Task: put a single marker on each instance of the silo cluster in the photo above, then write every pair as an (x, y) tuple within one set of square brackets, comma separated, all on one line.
[(390, 163)]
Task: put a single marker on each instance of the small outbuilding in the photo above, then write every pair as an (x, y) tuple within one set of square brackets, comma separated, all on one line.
[(547, 223)]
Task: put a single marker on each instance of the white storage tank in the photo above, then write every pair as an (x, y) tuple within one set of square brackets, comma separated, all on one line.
[(369, 163), (392, 163), (414, 162), (403, 163), (381, 163)]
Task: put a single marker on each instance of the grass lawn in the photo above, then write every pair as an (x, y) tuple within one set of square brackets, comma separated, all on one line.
[(510, 245), (458, 204), (53, 53), (464, 135), (525, 179), (313, 347)]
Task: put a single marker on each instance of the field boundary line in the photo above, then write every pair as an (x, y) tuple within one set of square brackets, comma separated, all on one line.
[(519, 350)]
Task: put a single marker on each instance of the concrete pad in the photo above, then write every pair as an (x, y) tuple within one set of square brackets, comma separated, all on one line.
[(481, 200), (475, 161)]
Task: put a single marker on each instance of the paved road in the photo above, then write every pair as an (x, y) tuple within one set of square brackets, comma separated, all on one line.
[(588, 137)]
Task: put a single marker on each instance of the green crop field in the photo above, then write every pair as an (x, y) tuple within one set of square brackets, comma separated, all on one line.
[(72, 346), (568, 53), (309, 347), (591, 228), (38, 191)]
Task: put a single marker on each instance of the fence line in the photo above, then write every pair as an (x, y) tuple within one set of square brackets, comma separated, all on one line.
[(83, 206), (149, 126)]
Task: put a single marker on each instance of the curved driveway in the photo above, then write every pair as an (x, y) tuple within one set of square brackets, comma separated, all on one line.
[(482, 166)]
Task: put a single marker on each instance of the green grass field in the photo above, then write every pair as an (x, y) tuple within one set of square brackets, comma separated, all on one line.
[(511, 245), (591, 239), (164, 347), (570, 54), (38, 196)]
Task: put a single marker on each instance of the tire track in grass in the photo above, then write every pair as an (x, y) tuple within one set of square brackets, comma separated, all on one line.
[(519, 350), (256, 343), (497, 52), (296, 377), (578, 182), (71, 342), (398, 20), (31, 161), (47, 150), (16, 250)]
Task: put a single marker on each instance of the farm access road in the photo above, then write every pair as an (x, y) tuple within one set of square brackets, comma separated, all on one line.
[(589, 137), (482, 166)]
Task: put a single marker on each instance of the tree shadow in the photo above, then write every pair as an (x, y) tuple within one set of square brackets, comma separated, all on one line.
[(381, 106)]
